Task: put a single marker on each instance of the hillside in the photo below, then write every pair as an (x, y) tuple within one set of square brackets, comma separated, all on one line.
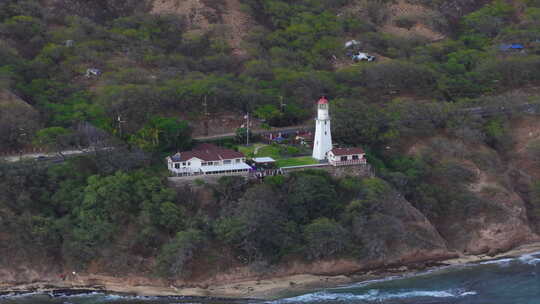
[(447, 114), (171, 55), (226, 17)]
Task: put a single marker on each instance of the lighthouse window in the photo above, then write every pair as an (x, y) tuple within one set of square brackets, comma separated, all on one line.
[(324, 132), (325, 122)]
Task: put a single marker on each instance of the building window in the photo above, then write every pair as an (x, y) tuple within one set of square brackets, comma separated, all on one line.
[(189, 163), (343, 158), (177, 165), (324, 132), (227, 162), (238, 160), (184, 163), (355, 157), (325, 122)]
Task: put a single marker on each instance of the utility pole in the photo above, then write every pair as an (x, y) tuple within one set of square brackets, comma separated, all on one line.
[(281, 104), (21, 134), (247, 129), (206, 116), (120, 122)]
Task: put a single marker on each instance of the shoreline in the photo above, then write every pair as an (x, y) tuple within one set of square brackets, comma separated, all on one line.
[(264, 289)]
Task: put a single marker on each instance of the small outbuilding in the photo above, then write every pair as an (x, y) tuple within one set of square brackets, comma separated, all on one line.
[(346, 156), (264, 162)]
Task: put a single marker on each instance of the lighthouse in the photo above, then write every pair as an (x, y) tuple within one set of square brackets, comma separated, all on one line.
[(322, 143)]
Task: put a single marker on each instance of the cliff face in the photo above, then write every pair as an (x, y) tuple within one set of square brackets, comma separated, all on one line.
[(498, 216), (398, 233)]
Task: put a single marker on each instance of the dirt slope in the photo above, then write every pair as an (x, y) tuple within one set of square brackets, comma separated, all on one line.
[(203, 15), (421, 28), (498, 219)]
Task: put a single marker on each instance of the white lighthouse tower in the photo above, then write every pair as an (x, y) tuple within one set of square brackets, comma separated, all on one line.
[(322, 143)]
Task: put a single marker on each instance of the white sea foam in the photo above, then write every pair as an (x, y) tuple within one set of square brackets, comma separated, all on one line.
[(531, 259), (499, 261), (80, 295), (21, 295), (375, 295)]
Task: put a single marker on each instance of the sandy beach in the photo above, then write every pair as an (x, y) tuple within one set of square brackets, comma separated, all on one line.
[(271, 288)]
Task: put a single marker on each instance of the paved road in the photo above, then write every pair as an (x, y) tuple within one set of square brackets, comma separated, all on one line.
[(49, 156), (531, 108), (255, 132)]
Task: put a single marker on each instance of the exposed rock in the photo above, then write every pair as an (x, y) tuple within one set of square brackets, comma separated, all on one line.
[(398, 233)]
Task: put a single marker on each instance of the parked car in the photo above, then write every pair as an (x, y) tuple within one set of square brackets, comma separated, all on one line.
[(362, 57)]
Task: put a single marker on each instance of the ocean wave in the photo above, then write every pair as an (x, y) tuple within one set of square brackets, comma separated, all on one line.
[(531, 259), (19, 295), (376, 296), (498, 262)]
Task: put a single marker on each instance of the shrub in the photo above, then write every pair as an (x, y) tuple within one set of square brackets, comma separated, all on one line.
[(399, 75), (534, 198), (173, 261), (325, 238), (510, 72), (489, 19), (533, 149), (256, 227)]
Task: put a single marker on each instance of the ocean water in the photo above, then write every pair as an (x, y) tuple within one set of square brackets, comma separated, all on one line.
[(503, 281)]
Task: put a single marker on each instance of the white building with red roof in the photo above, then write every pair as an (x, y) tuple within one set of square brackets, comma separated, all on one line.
[(208, 159), (346, 156)]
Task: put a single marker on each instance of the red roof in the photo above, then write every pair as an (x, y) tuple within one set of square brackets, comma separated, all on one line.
[(207, 152), (347, 151), (323, 100)]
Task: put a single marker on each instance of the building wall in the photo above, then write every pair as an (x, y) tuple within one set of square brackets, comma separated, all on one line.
[(194, 165), (336, 158), (322, 143), (358, 170)]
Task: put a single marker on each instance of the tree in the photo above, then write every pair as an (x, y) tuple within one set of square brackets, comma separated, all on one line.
[(310, 196), (490, 19), (242, 134), (256, 226), (325, 238), (54, 138), (173, 261), (18, 121), (163, 134)]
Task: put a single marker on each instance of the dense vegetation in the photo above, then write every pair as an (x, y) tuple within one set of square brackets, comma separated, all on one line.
[(79, 212), (154, 66), (115, 207)]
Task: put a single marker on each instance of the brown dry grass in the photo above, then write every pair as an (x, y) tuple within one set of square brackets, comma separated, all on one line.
[(236, 22), (402, 8)]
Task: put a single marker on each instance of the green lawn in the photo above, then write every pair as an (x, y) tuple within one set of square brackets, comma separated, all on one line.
[(296, 161), (269, 151), (273, 152), (263, 150)]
